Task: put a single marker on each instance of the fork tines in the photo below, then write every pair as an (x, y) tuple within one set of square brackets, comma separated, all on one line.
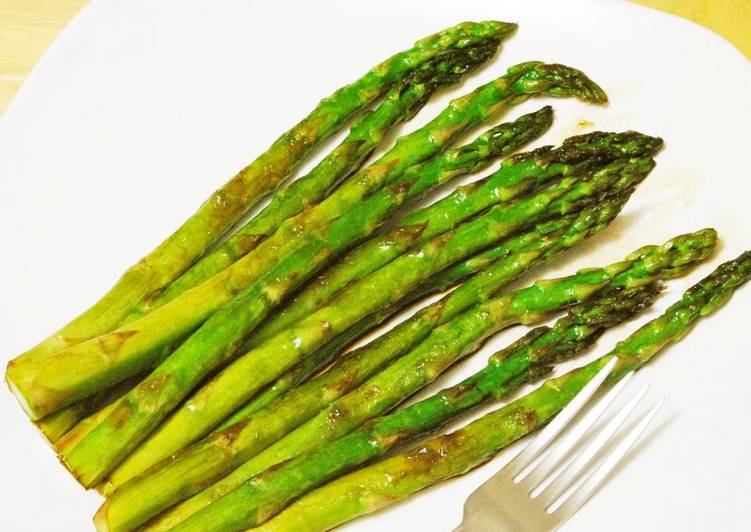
[(550, 479)]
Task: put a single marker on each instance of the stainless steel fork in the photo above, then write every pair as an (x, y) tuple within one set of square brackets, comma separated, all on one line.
[(547, 482)]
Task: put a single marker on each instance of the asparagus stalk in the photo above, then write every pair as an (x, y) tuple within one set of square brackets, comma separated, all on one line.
[(86, 424), (531, 169), (57, 425), (191, 470), (440, 282), (54, 426), (444, 345), (100, 362), (444, 457), (385, 482), (402, 102), (266, 494), (503, 264), (526, 357), (233, 386), (227, 204), (79, 416), (297, 375), (407, 184), (497, 138)]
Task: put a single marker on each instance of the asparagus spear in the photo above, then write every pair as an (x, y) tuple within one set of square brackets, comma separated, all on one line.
[(79, 416), (572, 157), (99, 362), (440, 282), (496, 141), (443, 347), (283, 415), (447, 456), (263, 496), (385, 482), (401, 103), (124, 511), (227, 204), (498, 266), (55, 426), (86, 424), (104, 447), (407, 184), (194, 305)]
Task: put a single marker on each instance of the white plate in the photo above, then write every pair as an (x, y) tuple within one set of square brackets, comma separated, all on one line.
[(141, 108)]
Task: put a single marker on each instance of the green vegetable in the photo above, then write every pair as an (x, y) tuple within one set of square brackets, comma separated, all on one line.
[(503, 186), (227, 204), (517, 175), (193, 469), (390, 480), (55, 426), (444, 345), (504, 372), (266, 494), (503, 264), (233, 386), (272, 270), (401, 103)]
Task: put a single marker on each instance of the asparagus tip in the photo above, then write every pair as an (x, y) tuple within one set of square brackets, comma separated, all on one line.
[(559, 81)]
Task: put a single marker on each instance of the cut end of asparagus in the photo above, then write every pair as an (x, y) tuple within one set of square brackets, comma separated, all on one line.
[(100, 518), (36, 399), (72, 472), (20, 398)]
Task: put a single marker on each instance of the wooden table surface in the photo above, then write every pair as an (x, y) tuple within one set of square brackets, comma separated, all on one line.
[(27, 27)]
